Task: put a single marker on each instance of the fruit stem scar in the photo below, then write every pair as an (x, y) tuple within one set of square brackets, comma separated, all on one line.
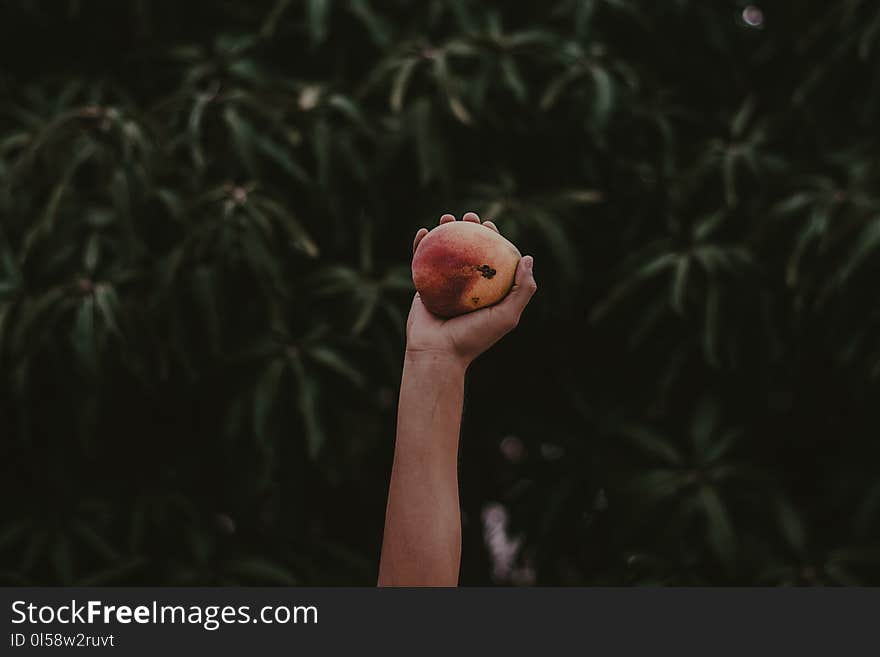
[(486, 271)]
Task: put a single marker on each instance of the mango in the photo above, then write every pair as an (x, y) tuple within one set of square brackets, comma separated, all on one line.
[(462, 266)]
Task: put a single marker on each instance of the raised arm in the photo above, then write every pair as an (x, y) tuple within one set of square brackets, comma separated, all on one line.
[(422, 540)]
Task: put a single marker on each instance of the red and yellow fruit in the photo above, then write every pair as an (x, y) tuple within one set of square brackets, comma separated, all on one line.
[(461, 266)]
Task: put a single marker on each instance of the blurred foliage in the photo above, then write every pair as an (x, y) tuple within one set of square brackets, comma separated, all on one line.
[(205, 217)]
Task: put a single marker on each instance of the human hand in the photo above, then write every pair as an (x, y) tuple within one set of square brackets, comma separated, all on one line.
[(465, 337)]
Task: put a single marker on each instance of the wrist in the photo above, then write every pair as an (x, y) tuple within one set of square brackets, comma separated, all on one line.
[(438, 360)]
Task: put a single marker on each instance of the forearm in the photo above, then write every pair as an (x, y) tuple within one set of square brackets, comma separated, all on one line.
[(422, 543)]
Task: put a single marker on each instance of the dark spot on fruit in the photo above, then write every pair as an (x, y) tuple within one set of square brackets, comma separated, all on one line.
[(475, 300), (486, 271)]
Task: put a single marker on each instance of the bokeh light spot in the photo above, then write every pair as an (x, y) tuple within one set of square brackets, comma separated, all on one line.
[(753, 16)]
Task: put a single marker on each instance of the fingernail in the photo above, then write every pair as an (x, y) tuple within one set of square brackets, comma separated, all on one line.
[(528, 261)]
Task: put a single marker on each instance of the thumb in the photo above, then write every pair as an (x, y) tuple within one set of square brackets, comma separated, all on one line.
[(524, 287)]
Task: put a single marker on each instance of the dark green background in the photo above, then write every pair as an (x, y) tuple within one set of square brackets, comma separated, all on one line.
[(207, 210)]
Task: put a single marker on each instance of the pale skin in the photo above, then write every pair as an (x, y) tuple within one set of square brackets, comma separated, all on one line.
[(422, 540)]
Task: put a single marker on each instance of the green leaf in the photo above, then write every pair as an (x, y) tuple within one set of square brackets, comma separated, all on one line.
[(107, 305), (194, 129), (426, 148), (321, 143), (742, 118), (37, 317), (400, 84), (648, 270), (652, 444), (720, 447), (554, 90), (246, 69), (398, 278), (294, 228), (281, 157), (270, 24), (579, 196), (704, 229), (712, 324), (14, 141), (719, 528), (840, 575), (655, 486), (203, 283), (729, 176), (242, 137), (448, 86), (33, 549), (333, 360), (83, 335), (348, 108), (583, 18), (62, 559), (604, 99), (307, 405), (351, 156), (513, 79), (265, 398), (95, 541), (866, 244), (335, 279), (369, 300), (377, 27), (679, 284), (120, 191), (463, 17), (232, 45), (704, 424), (92, 253), (794, 203), (258, 570), (317, 13), (84, 153)]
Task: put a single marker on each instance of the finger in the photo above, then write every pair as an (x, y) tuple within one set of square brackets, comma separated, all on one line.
[(446, 218), (417, 309), (416, 304), (418, 238), (490, 224), (471, 216), (524, 287)]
